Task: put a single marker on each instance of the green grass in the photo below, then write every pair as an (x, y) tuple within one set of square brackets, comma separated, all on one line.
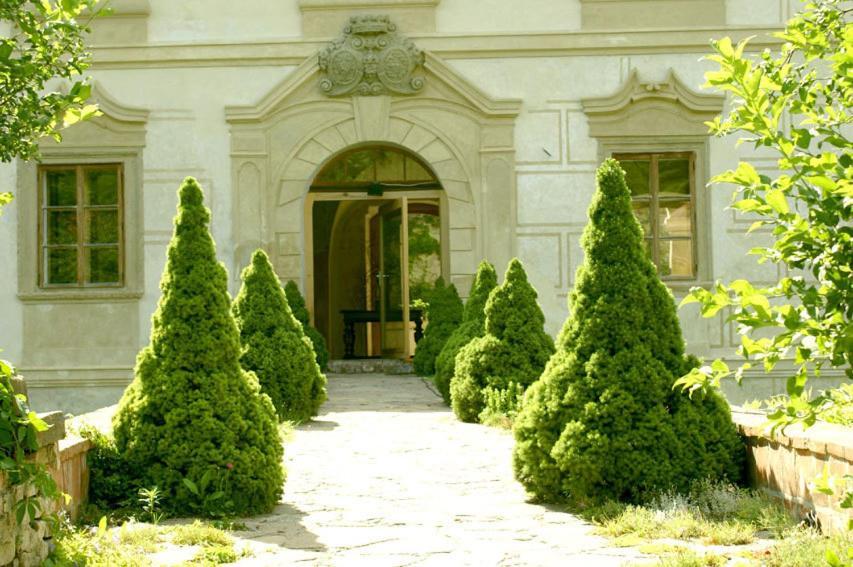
[(128, 545), (805, 548), (199, 533), (716, 514)]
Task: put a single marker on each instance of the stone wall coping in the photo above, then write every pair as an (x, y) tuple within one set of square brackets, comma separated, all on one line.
[(822, 437), (56, 431), (72, 446)]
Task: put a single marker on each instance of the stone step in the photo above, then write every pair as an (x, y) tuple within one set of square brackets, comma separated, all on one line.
[(370, 366)]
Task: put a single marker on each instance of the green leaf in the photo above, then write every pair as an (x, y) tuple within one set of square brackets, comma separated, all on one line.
[(777, 201)]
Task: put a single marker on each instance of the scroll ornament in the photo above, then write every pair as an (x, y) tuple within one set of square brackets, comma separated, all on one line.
[(371, 59)]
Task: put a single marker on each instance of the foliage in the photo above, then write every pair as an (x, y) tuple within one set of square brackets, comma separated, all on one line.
[(47, 43), (19, 428), (149, 501), (191, 408), (275, 347), (300, 311), (112, 481), (604, 422), (805, 548), (718, 513), (501, 405), (444, 313), (5, 199), (511, 354), (131, 545), (473, 326), (805, 319)]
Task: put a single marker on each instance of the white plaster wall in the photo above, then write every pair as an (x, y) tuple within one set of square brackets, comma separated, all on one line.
[(11, 313), (456, 16), (201, 21), (186, 135)]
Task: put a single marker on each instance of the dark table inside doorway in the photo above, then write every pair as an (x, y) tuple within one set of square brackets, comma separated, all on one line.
[(353, 316)]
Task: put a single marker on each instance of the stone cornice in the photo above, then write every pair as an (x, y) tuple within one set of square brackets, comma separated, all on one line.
[(672, 89), (462, 46)]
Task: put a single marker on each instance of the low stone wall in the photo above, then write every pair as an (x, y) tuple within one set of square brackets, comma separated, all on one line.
[(787, 464), (28, 544)]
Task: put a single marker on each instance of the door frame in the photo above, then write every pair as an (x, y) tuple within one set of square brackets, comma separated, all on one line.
[(308, 233)]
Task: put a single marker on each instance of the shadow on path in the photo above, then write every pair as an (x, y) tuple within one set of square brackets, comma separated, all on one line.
[(282, 527)]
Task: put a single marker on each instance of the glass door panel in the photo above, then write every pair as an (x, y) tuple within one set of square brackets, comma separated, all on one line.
[(390, 278)]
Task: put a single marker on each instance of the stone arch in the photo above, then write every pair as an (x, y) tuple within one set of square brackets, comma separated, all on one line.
[(295, 129)]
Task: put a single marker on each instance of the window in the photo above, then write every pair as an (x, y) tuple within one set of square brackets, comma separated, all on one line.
[(80, 228), (662, 191)]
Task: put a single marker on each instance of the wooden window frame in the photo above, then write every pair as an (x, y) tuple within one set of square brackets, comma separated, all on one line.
[(80, 208), (654, 201)]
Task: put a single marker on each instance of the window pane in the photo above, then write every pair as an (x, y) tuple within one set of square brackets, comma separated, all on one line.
[(61, 227), (642, 210), (424, 253), (389, 166), (637, 176), (102, 264), (647, 244), (101, 186), (416, 172), (675, 257), (675, 218), (102, 226), (61, 265), (61, 187), (674, 177)]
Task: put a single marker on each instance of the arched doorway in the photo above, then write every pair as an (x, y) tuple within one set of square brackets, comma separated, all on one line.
[(378, 243)]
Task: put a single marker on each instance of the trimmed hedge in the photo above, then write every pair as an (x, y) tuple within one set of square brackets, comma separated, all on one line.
[(604, 422), (510, 355), (444, 314), (473, 326), (193, 422), (275, 347), (300, 311)]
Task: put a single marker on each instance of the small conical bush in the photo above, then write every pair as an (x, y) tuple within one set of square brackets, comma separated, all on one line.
[(510, 355), (193, 422), (603, 421), (275, 347), (300, 311), (473, 326), (444, 314)]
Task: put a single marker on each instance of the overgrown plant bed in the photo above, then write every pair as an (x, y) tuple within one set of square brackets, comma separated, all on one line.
[(718, 524), (139, 544)]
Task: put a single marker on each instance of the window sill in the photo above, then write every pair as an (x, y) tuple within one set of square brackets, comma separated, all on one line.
[(71, 295), (683, 286)]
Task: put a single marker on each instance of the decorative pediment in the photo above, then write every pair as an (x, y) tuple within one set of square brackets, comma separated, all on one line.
[(118, 126), (369, 59), (638, 108)]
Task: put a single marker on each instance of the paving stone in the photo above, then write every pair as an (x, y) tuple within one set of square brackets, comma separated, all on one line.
[(386, 476)]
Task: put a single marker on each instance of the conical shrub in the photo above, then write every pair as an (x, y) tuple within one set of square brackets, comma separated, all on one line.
[(473, 326), (275, 347), (512, 353), (193, 422), (603, 422), (300, 311), (443, 315)]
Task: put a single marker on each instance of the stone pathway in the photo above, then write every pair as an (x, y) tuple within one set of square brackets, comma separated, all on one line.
[(387, 476)]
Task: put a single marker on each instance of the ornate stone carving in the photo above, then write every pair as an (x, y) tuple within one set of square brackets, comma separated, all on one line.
[(371, 59)]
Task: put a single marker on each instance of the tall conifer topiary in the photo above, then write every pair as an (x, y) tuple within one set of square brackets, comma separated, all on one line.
[(603, 421), (473, 326), (443, 315), (300, 311), (193, 422), (510, 355), (275, 347)]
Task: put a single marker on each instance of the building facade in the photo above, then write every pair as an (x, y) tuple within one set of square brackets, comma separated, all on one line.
[(351, 138)]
